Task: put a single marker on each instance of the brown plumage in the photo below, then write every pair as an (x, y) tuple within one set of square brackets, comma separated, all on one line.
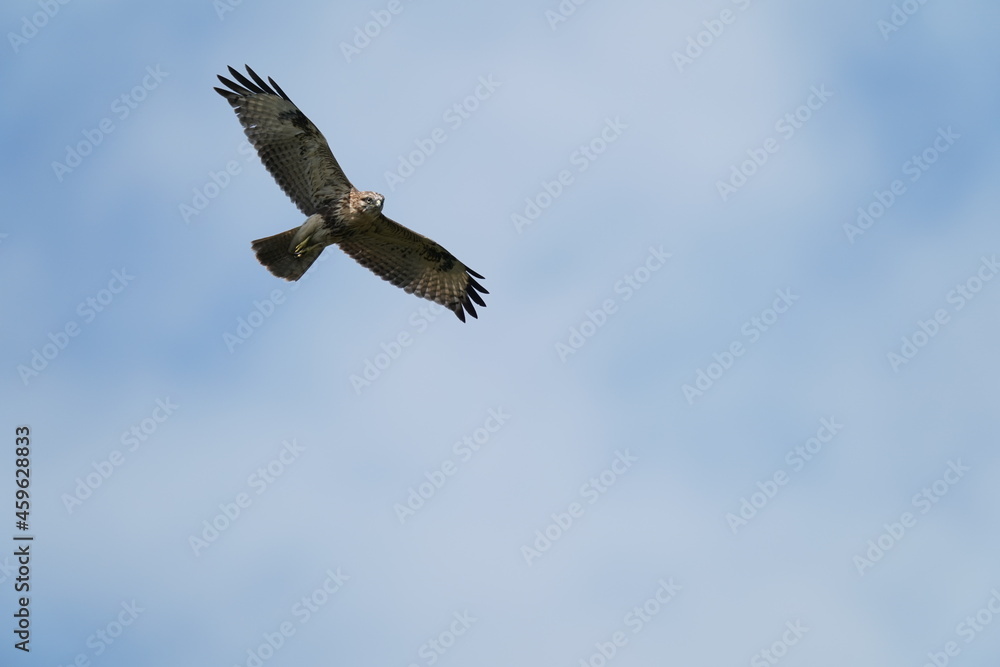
[(295, 153)]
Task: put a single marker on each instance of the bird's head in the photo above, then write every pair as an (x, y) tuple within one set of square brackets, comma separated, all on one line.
[(370, 203)]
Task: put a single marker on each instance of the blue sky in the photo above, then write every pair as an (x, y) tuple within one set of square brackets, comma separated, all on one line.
[(709, 416)]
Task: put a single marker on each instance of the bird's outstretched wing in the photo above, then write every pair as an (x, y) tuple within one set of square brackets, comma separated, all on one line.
[(417, 264), (288, 144)]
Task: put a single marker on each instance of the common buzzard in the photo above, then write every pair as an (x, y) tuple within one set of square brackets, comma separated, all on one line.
[(300, 160)]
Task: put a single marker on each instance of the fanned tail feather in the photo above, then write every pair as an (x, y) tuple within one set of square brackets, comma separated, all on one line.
[(274, 252)]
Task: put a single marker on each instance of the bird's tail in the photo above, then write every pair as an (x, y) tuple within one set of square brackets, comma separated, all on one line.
[(275, 252)]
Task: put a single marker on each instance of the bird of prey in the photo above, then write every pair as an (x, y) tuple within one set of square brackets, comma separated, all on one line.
[(300, 160)]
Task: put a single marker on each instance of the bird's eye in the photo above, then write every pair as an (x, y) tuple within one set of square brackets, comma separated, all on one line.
[(369, 200)]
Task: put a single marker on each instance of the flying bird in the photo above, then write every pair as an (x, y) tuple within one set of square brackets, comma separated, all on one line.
[(298, 157)]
